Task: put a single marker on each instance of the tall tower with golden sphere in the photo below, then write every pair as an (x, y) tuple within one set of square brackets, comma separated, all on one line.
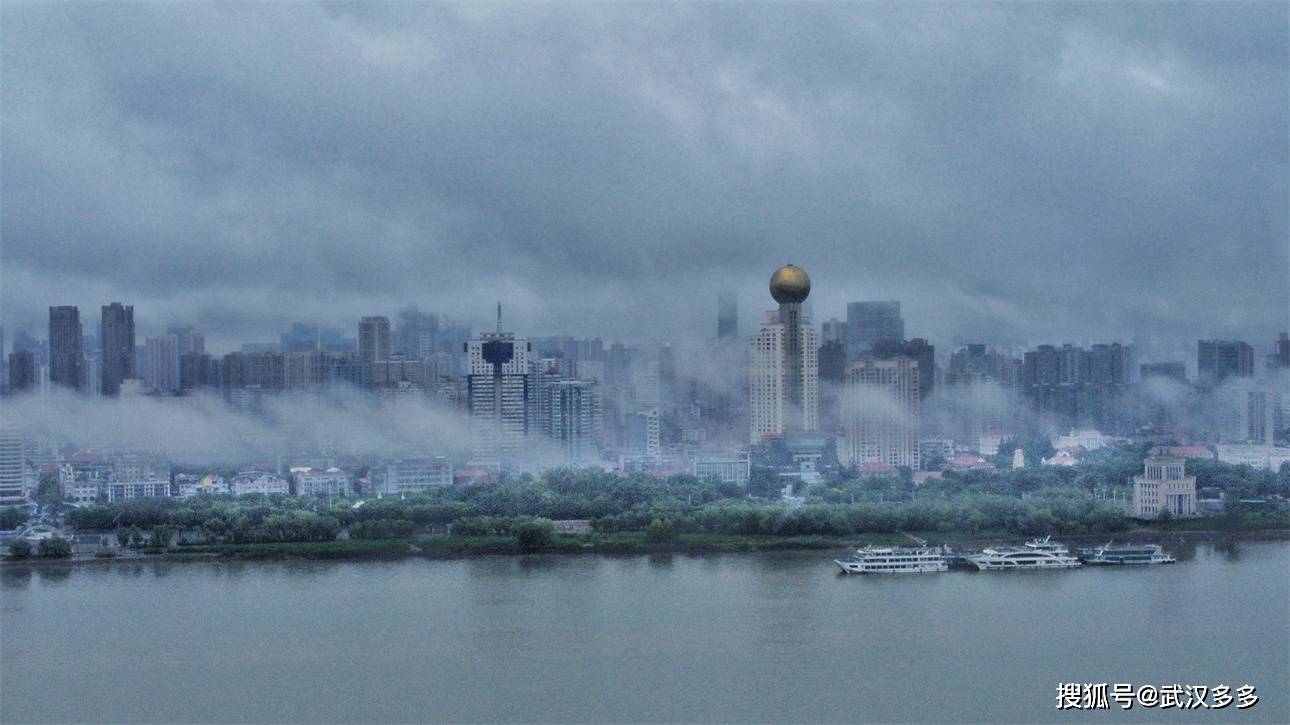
[(783, 374)]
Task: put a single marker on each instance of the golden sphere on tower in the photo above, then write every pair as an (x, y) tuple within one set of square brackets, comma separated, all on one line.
[(789, 284)]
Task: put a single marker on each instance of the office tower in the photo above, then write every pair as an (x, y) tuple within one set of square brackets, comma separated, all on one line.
[(916, 349), (727, 315), (783, 370), (572, 420), (13, 465), (116, 335), (417, 334), (162, 371), (868, 322), (23, 374), (1172, 370), (880, 412), (1164, 486), (1217, 360), (497, 395), (834, 330), (66, 360), (374, 338)]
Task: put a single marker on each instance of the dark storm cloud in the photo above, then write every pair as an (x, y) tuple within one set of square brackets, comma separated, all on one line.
[(1032, 172)]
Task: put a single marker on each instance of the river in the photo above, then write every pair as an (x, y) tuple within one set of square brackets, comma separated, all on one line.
[(748, 637)]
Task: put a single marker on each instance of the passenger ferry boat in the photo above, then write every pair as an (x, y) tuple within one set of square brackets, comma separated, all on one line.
[(1126, 554), (894, 560), (1036, 554)]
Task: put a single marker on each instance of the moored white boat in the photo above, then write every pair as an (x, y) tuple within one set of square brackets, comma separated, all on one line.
[(894, 560), (1035, 554), (1126, 554)]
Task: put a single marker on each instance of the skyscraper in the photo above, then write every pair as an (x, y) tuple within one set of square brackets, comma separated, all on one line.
[(374, 338), (783, 370), (880, 412), (727, 315), (66, 360), (163, 363), (916, 349), (1217, 360), (23, 374), (868, 322), (1278, 359), (572, 420), (497, 395), (417, 333), (116, 335)]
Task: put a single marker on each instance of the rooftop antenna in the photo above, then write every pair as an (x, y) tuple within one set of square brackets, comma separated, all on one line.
[(499, 317)]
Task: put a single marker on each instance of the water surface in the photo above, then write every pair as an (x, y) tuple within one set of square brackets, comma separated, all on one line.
[(756, 637)]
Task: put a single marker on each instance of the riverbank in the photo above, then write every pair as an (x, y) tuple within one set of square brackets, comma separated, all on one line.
[(620, 544)]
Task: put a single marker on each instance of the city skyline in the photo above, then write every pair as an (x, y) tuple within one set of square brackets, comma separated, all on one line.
[(1057, 202)]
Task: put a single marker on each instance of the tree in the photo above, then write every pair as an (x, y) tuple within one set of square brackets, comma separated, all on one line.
[(535, 534), (12, 517), (55, 547), (660, 531), (19, 549)]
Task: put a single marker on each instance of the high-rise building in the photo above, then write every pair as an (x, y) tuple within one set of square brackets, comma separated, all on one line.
[(783, 369), (572, 420), (1079, 387), (642, 432), (163, 364), (833, 373), (303, 337), (880, 411), (727, 315), (197, 370), (868, 322), (834, 330), (916, 349), (66, 359), (497, 394), (116, 335), (13, 465), (187, 340), (1281, 357), (1173, 370), (1217, 360), (23, 374), (374, 338), (417, 334)]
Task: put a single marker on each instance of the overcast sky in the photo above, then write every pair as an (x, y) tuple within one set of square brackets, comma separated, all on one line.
[(1030, 172)]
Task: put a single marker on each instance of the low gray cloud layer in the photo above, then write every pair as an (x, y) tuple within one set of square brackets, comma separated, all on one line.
[(1039, 172)]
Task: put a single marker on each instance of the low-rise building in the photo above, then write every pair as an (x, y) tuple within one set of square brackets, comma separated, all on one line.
[(1263, 458), (190, 485), (126, 490), (1164, 487), (727, 467), (259, 482), (416, 475), (320, 481)]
